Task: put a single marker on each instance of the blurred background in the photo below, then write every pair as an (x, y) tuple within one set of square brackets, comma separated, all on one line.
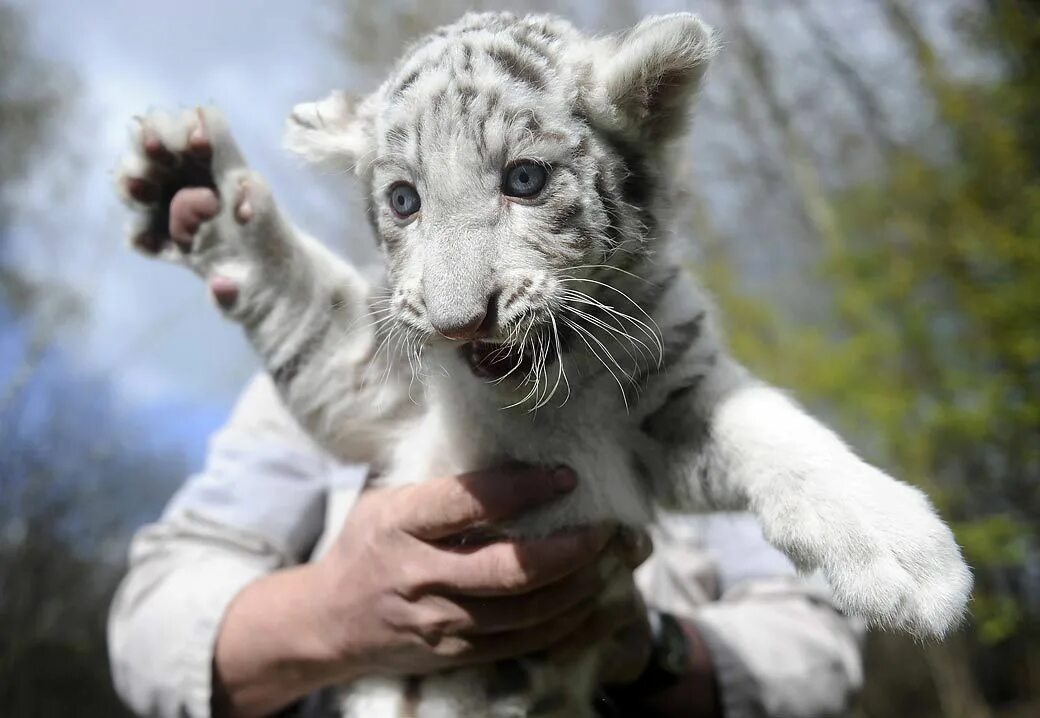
[(862, 193)]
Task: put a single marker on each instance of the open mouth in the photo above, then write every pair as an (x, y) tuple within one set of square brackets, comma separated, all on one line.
[(497, 361)]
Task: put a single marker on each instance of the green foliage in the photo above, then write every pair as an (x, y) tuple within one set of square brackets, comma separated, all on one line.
[(31, 96), (931, 352)]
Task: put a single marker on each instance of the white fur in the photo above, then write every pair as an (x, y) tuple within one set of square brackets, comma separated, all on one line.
[(323, 132), (405, 402), (883, 549)]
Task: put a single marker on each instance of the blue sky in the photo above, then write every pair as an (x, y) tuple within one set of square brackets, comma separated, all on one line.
[(150, 325)]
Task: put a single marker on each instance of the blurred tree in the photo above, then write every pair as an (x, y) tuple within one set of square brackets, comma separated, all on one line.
[(34, 95), (928, 350), (75, 473), (29, 102), (900, 172), (373, 35)]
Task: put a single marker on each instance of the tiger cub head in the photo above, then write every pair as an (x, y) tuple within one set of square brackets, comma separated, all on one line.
[(514, 171)]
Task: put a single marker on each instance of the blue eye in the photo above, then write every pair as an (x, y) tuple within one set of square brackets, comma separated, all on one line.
[(524, 179), (404, 200)]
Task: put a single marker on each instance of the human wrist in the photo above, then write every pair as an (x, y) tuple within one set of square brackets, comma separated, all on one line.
[(274, 647), (679, 678), (697, 693)]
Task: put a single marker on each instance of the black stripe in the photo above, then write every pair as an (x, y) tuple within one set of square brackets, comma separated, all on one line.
[(537, 42), (517, 66), (642, 471), (418, 144), (548, 704), (467, 94), (372, 215), (707, 468), (563, 218), (519, 293), (467, 59), (337, 300), (397, 137), (532, 122), (493, 99), (490, 20), (677, 340), (408, 81), (507, 679), (681, 338), (545, 249), (638, 183), (676, 422), (566, 223), (418, 125), (481, 135), (412, 697), (411, 307), (438, 100), (650, 295), (284, 374), (610, 207), (637, 187), (585, 236)]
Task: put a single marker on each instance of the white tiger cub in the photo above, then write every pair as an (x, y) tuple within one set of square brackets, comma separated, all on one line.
[(516, 173)]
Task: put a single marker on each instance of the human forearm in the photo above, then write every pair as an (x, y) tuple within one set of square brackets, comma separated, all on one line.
[(389, 599), (270, 650), (185, 571)]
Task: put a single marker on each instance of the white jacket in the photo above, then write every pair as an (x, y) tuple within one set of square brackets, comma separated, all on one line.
[(779, 646)]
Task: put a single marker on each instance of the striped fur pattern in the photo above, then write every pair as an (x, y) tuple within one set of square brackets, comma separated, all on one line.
[(555, 328)]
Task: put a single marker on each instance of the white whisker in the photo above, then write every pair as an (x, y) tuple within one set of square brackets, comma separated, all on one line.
[(582, 333)]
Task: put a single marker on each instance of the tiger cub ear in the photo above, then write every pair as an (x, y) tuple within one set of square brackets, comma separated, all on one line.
[(336, 130), (644, 79)]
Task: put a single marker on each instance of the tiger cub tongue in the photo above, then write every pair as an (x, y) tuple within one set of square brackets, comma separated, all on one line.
[(495, 361)]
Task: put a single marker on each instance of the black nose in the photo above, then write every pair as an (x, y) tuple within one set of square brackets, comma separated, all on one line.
[(478, 326)]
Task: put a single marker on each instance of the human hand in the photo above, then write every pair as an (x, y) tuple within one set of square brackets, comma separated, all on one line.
[(393, 598)]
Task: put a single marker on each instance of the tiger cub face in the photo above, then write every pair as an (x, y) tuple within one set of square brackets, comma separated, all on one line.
[(506, 161)]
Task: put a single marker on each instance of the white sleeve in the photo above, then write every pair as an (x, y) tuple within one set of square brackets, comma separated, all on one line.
[(257, 506), (779, 646)]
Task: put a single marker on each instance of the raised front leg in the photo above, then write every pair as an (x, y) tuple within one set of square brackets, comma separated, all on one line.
[(309, 315), (886, 553)]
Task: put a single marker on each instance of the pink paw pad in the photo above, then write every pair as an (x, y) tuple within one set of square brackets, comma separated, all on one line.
[(224, 291), (142, 190), (154, 148), (189, 208), (198, 140), (147, 242), (243, 207)]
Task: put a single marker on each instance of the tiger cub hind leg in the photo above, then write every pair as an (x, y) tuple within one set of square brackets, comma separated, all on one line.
[(514, 688)]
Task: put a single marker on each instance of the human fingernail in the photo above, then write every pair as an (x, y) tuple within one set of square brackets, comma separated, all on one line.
[(564, 479), (635, 543)]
